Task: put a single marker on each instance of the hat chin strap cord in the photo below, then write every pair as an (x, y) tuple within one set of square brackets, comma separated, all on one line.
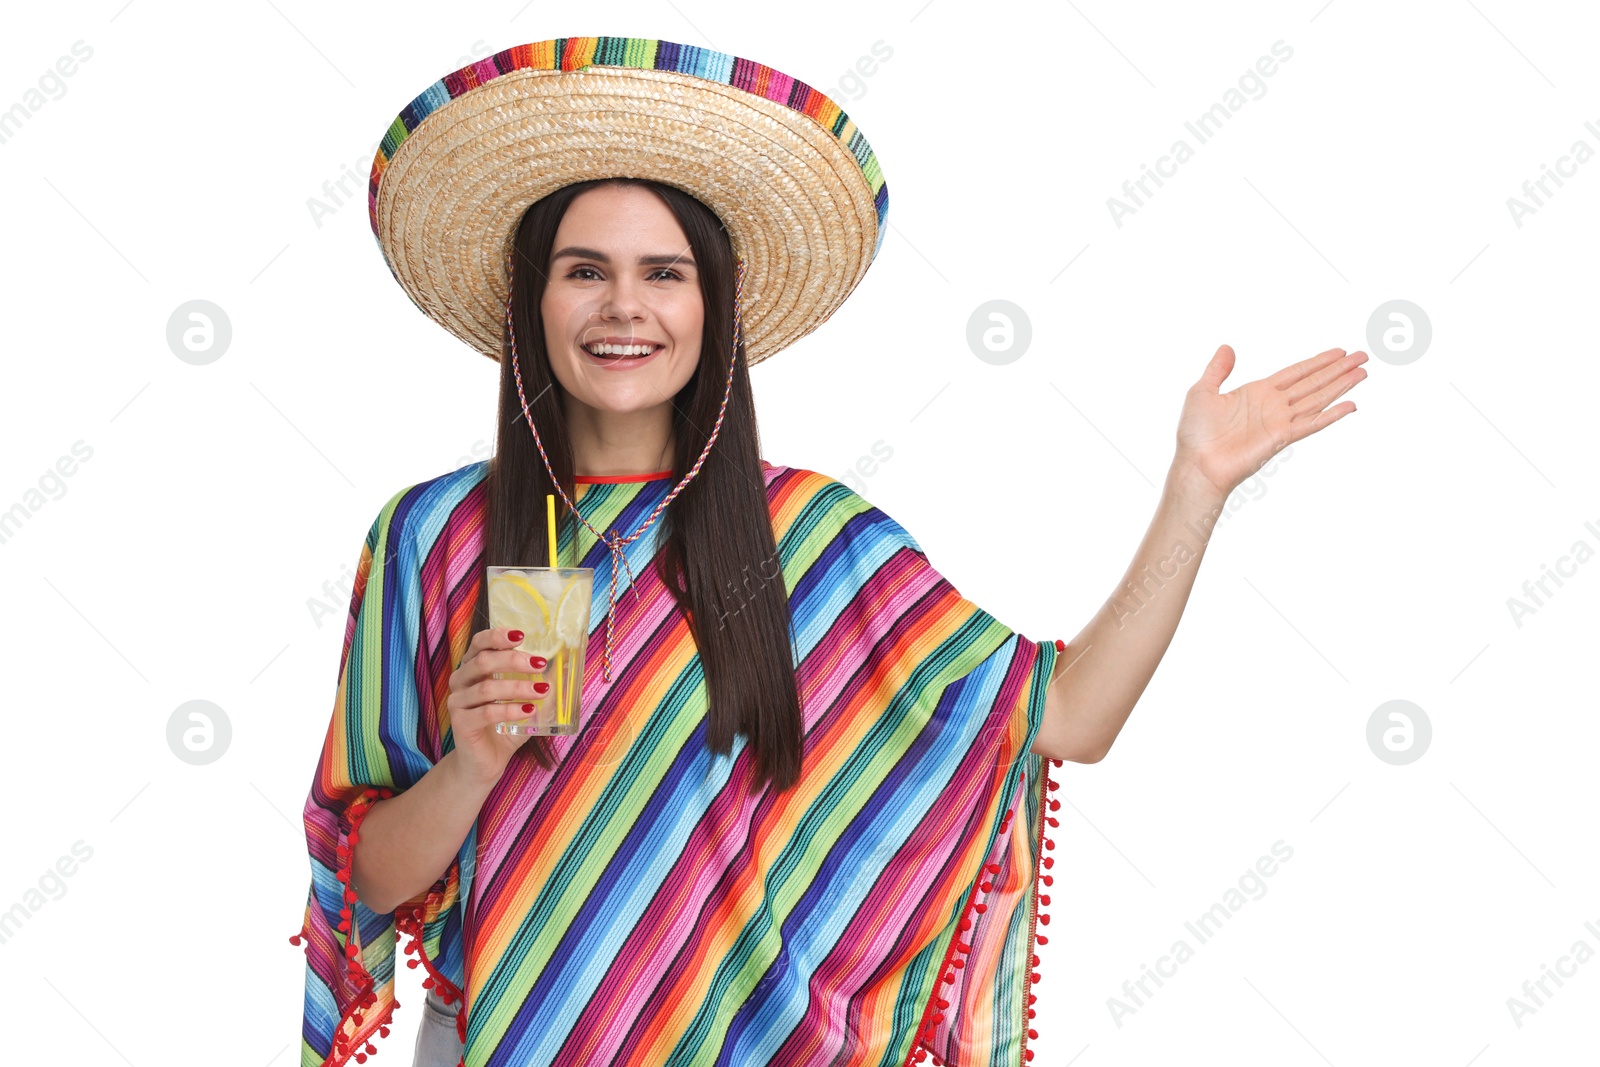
[(615, 541)]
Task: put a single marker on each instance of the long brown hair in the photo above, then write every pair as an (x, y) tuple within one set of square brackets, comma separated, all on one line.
[(717, 552)]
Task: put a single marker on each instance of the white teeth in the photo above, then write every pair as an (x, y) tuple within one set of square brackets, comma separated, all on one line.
[(620, 350)]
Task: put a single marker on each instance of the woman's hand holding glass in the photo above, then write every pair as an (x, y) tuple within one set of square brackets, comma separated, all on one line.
[(474, 691)]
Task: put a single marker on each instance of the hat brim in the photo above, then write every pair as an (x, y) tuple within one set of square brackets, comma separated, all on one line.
[(803, 201)]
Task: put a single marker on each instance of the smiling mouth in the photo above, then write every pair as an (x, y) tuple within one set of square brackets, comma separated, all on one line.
[(620, 353)]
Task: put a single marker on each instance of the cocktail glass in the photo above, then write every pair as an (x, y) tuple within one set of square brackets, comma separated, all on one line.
[(550, 605)]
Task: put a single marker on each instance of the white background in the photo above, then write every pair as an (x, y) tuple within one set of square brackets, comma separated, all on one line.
[(1375, 563)]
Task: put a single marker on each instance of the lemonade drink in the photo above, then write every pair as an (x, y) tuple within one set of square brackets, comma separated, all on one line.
[(550, 605)]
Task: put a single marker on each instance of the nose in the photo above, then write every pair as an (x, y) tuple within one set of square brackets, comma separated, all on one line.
[(621, 303), (623, 295)]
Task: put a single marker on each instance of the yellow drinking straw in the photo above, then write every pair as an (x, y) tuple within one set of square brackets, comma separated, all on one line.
[(550, 516), (560, 656)]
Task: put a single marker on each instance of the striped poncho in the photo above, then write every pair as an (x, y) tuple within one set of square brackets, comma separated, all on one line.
[(635, 906)]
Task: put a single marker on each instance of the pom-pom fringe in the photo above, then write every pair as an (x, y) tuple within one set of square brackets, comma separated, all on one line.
[(408, 921), (922, 1046)]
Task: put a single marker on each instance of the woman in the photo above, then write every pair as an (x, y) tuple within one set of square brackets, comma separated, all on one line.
[(805, 818)]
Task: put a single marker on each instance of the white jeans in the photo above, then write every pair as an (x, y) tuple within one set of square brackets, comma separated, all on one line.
[(437, 1044)]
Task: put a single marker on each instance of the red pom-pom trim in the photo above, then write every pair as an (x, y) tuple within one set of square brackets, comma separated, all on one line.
[(922, 1044), (1038, 917), (348, 1046)]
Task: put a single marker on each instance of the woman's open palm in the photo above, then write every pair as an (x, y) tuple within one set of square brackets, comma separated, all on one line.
[(1226, 437)]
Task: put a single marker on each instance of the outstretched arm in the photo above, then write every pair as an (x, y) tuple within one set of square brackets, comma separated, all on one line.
[(1222, 439)]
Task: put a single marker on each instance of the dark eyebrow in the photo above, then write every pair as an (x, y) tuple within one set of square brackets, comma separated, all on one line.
[(578, 252)]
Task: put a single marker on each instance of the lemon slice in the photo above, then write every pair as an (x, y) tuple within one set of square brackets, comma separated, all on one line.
[(518, 605), (511, 583), (572, 616)]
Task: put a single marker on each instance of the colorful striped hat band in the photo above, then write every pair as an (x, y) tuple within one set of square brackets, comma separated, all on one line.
[(613, 540)]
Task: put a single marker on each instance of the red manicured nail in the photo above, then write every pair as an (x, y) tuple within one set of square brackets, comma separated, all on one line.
[(515, 635), (537, 662), (527, 707), (541, 688)]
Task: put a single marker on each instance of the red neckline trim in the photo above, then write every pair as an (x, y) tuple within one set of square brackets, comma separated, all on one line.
[(590, 479)]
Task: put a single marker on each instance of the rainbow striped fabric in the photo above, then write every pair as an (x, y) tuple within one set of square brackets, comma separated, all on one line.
[(643, 53), (635, 906)]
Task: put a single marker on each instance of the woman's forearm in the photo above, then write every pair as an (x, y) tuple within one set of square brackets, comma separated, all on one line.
[(1099, 677), (407, 841)]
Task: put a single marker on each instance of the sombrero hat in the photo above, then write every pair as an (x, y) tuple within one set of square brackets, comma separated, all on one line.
[(791, 177)]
